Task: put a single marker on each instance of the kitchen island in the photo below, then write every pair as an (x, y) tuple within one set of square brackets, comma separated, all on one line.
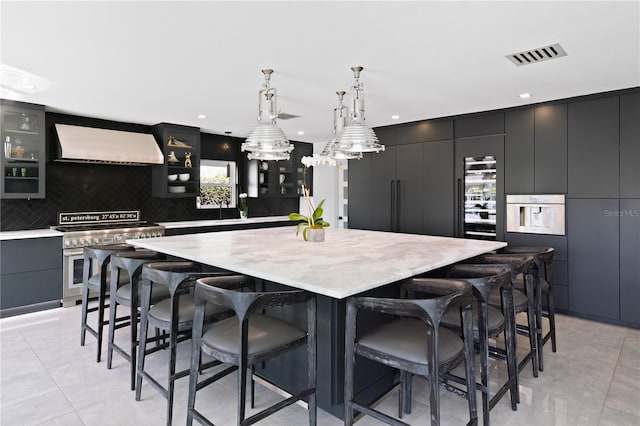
[(347, 263)]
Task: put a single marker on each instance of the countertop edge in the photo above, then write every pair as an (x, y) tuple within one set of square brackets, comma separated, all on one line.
[(221, 222), (31, 233)]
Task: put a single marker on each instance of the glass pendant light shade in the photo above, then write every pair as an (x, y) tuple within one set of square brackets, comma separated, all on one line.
[(267, 141), (357, 136), (340, 117)]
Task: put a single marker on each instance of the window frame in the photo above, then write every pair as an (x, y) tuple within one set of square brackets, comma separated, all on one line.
[(232, 168)]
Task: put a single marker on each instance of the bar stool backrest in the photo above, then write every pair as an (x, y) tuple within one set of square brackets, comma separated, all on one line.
[(483, 277), (223, 291), (132, 261), (101, 254), (176, 276)]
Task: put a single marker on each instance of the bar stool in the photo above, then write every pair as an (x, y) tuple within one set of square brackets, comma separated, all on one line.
[(414, 343), (249, 337), (129, 263), (521, 265), (488, 322), (98, 283), (173, 315), (544, 293)]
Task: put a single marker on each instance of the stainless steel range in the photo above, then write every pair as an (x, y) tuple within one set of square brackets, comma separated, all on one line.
[(94, 228)]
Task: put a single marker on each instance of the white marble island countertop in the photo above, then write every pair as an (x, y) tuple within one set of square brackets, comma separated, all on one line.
[(348, 262)]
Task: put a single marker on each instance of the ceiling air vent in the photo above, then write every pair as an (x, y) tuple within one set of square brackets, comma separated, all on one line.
[(537, 55)]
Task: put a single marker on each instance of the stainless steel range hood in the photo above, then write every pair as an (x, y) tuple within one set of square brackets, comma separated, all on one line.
[(102, 146)]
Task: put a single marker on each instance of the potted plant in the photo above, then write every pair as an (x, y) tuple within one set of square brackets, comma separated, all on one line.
[(312, 224)]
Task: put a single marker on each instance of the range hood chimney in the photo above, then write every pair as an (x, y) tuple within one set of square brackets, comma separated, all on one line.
[(102, 146)]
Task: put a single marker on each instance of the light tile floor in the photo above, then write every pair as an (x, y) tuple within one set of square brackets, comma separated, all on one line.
[(47, 378)]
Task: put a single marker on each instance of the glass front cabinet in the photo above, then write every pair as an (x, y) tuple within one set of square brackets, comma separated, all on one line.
[(23, 153)]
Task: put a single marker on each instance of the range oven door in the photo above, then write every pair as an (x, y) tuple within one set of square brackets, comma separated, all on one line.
[(73, 263)]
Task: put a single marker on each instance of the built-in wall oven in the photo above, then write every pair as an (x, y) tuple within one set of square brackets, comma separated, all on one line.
[(86, 229)]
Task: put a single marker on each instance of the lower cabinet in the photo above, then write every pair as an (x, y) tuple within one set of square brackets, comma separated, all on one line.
[(630, 260), (559, 243), (31, 275), (593, 227)]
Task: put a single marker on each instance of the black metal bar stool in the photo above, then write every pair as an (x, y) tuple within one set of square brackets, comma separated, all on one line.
[(544, 293), (130, 264), (489, 322), (249, 337), (98, 283), (414, 343), (173, 315), (521, 265)]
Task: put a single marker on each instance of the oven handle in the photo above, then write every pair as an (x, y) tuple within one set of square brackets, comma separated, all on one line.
[(72, 252)]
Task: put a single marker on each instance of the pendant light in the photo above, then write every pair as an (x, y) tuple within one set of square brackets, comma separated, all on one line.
[(340, 117), (357, 136), (267, 141)]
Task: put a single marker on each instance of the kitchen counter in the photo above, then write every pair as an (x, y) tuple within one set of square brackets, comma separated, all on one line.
[(31, 233), (349, 261)]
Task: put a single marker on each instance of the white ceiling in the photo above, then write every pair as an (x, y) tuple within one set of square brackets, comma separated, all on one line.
[(150, 62)]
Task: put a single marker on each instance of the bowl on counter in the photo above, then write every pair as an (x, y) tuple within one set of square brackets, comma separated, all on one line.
[(184, 177), (172, 178), (177, 189)]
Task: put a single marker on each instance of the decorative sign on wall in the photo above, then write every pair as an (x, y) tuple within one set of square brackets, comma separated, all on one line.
[(99, 217)]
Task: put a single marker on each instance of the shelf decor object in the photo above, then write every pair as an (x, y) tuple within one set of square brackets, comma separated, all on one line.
[(340, 117), (267, 141), (357, 136)]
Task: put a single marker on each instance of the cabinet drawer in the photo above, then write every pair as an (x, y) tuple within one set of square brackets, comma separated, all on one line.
[(30, 287), (31, 254)]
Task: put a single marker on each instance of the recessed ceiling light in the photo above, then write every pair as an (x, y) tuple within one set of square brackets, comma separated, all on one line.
[(202, 116), (525, 95), (395, 117), (300, 132)]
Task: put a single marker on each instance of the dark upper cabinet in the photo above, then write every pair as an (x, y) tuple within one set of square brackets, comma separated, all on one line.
[(629, 260), (630, 146), (22, 168), (409, 192), (438, 189), (179, 176), (593, 157), (423, 131), (382, 190), (550, 164), (361, 197), (519, 152), (593, 256), (479, 125)]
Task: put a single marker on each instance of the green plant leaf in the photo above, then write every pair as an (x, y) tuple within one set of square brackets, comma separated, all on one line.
[(304, 233), (317, 214), (298, 216), (298, 227)]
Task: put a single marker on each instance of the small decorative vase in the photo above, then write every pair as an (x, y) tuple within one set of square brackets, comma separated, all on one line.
[(315, 235), (244, 214)]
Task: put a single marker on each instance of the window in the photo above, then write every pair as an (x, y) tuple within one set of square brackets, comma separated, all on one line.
[(217, 184)]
